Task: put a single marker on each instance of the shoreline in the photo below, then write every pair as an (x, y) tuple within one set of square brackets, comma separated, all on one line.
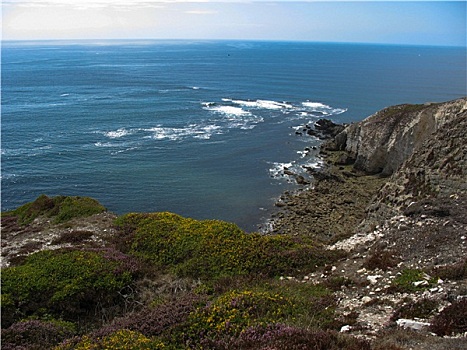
[(334, 195), (330, 209)]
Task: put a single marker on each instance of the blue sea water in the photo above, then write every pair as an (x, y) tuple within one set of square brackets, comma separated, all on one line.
[(199, 128)]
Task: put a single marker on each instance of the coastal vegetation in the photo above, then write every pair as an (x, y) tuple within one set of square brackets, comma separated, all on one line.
[(60, 209), (225, 282)]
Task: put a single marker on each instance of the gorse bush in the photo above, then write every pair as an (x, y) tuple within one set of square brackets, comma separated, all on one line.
[(212, 249), (61, 208), (232, 313), (120, 340), (68, 283)]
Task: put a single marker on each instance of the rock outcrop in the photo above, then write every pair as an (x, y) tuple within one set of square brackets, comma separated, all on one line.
[(383, 141)]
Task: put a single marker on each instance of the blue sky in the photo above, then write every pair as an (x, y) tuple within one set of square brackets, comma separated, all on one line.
[(394, 22)]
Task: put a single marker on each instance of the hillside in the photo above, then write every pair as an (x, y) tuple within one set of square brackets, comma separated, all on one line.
[(372, 256)]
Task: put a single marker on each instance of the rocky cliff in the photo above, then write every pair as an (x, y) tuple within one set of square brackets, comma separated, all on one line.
[(383, 141), (422, 146), (394, 196), (415, 223)]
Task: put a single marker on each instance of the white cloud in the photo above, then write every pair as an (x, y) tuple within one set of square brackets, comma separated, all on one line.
[(201, 12), (95, 3)]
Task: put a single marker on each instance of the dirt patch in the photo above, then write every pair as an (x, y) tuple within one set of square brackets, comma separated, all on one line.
[(18, 240)]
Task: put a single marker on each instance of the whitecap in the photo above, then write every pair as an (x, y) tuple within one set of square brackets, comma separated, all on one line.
[(206, 132), (261, 104), (64, 95), (339, 111), (228, 110), (307, 114), (304, 153), (195, 131), (117, 133), (105, 144), (310, 104), (6, 176), (266, 104), (321, 108)]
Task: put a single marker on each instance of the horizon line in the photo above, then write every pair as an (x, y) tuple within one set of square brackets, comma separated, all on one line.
[(134, 40)]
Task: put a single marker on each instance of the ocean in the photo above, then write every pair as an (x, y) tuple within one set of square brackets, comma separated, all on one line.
[(199, 128)]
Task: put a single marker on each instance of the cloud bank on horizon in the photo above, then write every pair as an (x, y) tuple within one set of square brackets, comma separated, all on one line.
[(395, 22)]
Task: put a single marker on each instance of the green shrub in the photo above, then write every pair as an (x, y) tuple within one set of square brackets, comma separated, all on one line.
[(404, 283), (62, 208), (65, 282), (213, 249)]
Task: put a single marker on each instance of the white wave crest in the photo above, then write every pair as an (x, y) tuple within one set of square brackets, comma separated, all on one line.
[(320, 105), (106, 144), (195, 131), (261, 104), (117, 133), (321, 108), (228, 110)]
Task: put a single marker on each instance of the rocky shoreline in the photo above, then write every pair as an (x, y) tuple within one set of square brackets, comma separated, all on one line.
[(392, 194)]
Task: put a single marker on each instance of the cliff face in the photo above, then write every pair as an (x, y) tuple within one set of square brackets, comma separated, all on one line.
[(383, 141), (416, 222)]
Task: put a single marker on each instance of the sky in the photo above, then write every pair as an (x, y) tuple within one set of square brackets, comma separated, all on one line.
[(388, 22)]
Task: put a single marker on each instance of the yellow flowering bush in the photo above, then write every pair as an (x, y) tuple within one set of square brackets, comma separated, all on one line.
[(121, 340), (211, 249), (234, 311)]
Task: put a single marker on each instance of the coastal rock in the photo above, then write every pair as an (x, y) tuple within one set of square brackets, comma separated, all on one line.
[(328, 128), (383, 141), (323, 129)]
